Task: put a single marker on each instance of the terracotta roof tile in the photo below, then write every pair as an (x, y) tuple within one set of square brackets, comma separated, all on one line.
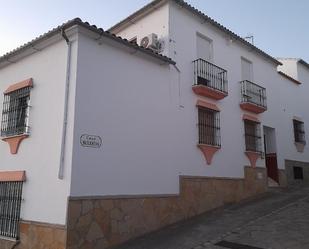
[(94, 28)]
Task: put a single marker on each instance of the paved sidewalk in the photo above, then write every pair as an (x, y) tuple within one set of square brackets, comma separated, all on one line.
[(278, 219)]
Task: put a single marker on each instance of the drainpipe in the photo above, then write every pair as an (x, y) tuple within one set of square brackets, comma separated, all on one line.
[(66, 100)]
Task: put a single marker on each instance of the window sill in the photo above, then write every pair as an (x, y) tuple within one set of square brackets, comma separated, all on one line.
[(253, 157), (14, 142), (9, 239), (300, 146), (208, 151)]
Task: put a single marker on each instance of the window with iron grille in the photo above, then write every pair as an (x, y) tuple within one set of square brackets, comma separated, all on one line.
[(10, 202), (15, 113), (209, 126), (299, 131), (252, 136)]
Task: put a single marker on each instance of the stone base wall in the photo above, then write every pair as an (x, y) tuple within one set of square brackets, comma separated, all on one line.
[(7, 244), (289, 164), (98, 223), (35, 235), (283, 182)]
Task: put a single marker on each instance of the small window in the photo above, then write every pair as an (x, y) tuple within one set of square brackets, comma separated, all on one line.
[(299, 131), (252, 136), (10, 202), (15, 112), (209, 126), (298, 173)]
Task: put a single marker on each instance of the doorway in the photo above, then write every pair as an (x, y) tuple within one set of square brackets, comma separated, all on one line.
[(270, 149)]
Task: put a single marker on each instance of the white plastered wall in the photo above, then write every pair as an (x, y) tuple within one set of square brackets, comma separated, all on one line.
[(157, 22), (281, 93), (145, 153), (130, 100), (289, 67), (44, 195)]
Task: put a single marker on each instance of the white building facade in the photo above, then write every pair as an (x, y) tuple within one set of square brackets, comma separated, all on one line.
[(110, 140)]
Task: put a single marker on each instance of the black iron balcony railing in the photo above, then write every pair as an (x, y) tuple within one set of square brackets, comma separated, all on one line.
[(253, 93), (210, 75)]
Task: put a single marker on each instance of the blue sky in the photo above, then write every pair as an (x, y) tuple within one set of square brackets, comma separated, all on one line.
[(280, 27)]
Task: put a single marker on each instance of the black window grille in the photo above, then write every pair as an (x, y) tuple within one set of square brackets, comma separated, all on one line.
[(15, 113), (299, 131), (210, 75), (252, 136), (253, 93), (209, 126), (10, 202)]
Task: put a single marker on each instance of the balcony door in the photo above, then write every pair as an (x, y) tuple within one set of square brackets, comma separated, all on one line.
[(204, 49), (246, 70)]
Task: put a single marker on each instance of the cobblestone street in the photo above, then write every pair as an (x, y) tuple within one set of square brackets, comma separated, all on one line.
[(276, 220)]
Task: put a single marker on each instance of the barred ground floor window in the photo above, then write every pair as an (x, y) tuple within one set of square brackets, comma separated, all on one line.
[(10, 204), (252, 136), (209, 126), (299, 131)]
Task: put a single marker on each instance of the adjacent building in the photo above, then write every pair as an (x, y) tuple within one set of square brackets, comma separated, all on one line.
[(108, 135)]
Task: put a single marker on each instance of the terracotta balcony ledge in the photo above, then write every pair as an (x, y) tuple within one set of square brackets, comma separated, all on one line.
[(208, 92), (248, 106)]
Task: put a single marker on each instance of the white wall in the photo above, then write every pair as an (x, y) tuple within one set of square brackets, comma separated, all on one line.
[(144, 151), (281, 93), (289, 67), (157, 23), (293, 102), (131, 102), (230, 160), (44, 195), (303, 74)]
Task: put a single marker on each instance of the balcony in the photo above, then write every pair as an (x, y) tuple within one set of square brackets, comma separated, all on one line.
[(209, 80), (253, 97)]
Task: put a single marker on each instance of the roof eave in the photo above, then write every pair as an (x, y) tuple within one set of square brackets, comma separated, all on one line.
[(137, 14), (141, 12), (304, 63), (6, 59), (126, 43), (33, 43)]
